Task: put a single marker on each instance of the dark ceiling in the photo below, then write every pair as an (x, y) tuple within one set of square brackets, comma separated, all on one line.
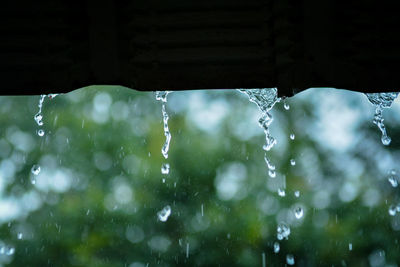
[(58, 46)]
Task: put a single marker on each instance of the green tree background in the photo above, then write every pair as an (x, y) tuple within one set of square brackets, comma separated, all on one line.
[(96, 199)]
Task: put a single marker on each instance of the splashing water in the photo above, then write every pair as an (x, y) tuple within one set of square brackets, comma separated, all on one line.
[(164, 213), (381, 101), (162, 96), (265, 99)]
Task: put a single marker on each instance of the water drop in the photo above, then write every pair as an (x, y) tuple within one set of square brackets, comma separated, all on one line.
[(272, 173), (2, 249), (296, 193), (19, 236), (40, 132), (163, 180), (350, 246), (165, 168), (35, 169), (398, 208), (283, 231), (10, 251), (290, 259), (281, 192), (292, 162), (299, 212), (164, 213), (286, 106), (393, 181), (392, 210), (292, 136), (276, 247)]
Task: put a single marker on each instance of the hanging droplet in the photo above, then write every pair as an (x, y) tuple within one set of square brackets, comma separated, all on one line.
[(296, 193), (292, 162), (165, 168), (40, 132), (35, 169), (281, 192), (292, 136), (164, 213), (392, 210), (290, 259), (277, 247), (299, 212)]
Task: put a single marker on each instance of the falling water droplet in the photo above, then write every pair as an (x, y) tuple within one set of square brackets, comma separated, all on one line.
[(283, 231), (19, 236), (35, 169), (281, 192), (272, 173), (292, 162), (164, 213), (290, 259), (10, 251), (296, 193), (277, 247), (392, 210), (40, 132), (299, 212), (2, 249), (350, 246), (393, 181), (286, 106), (165, 168), (292, 136)]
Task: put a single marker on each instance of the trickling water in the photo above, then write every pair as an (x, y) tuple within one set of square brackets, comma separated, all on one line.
[(263, 259), (277, 247), (381, 101), (265, 99), (162, 96), (164, 213)]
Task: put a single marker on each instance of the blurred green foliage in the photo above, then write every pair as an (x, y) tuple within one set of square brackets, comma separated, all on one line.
[(105, 144)]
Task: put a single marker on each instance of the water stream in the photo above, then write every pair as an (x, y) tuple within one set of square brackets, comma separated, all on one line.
[(381, 101)]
